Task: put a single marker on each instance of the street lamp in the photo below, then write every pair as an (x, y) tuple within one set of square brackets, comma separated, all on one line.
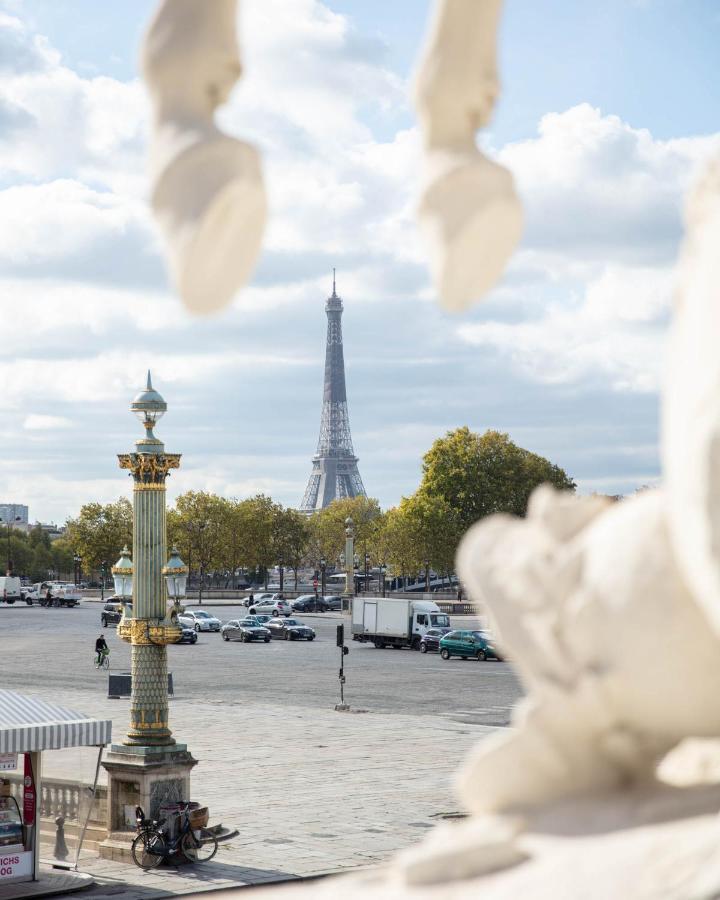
[(427, 576), (382, 569), (323, 566), (201, 528), (77, 560), (9, 561), (175, 574), (367, 561), (103, 576)]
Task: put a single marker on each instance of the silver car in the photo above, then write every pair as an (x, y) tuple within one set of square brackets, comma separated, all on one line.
[(273, 605), (245, 630), (200, 620)]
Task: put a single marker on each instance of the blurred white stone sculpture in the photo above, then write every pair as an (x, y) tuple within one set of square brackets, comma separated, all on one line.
[(469, 209), (609, 613), (207, 188)]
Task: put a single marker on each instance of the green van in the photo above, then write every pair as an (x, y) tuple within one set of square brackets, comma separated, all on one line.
[(465, 644)]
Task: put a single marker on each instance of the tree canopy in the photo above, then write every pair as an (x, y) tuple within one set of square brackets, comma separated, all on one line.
[(477, 475)]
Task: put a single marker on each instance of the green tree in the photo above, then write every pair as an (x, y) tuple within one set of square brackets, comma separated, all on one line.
[(195, 526), (328, 526), (291, 536), (99, 533), (477, 475)]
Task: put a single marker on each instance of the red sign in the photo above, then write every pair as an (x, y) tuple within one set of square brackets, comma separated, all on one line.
[(28, 793), (314, 582)]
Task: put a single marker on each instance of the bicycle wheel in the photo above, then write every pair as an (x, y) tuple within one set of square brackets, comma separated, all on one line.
[(148, 850), (106, 661), (200, 849)]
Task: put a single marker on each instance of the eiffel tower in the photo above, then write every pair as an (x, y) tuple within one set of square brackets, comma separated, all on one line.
[(334, 473)]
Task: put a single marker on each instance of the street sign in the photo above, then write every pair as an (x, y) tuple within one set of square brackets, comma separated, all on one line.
[(315, 582), (8, 761)]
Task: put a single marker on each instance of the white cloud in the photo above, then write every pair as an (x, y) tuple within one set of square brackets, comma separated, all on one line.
[(45, 423), (597, 189), (614, 330)]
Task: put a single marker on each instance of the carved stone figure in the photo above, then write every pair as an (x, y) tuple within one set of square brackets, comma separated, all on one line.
[(469, 210), (207, 188)]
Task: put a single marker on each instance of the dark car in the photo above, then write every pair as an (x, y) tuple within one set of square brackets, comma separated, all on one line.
[(111, 613), (189, 636), (309, 603), (465, 644), (334, 603), (431, 639), (290, 630), (245, 630)]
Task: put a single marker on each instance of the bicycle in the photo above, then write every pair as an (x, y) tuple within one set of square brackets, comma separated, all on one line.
[(152, 845), (102, 660)]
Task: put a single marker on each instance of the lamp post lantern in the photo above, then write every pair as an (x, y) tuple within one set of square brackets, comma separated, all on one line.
[(122, 573), (149, 767), (382, 569), (176, 575)]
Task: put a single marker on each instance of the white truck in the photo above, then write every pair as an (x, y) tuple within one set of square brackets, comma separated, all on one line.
[(62, 593), (9, 589), (388, 622)]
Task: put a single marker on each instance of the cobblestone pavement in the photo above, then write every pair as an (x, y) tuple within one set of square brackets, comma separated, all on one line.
[(309, 790)]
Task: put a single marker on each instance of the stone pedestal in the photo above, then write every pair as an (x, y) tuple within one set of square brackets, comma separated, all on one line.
[(146, 777)]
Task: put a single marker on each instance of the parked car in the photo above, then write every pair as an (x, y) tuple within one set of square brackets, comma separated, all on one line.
[(256, 598), (309, 603), (333, 602), (200, 620), (189, 635), (276, 606), (431, 639), (259, 619), (468, 643), (10, 589), (246, 630), (290, 630), (111, 613)]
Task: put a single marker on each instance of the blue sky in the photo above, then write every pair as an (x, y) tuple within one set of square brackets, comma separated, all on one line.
[(606, 117)]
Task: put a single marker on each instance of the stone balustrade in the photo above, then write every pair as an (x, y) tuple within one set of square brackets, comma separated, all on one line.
[(63, 797)]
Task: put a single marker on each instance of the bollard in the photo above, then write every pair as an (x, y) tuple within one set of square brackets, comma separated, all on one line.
[(61, 850)]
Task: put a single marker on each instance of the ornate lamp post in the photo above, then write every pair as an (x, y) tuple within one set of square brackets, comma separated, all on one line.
[(149, 767), (323, 567), (349, 562), (382, 569), (427, 576), (76, 567)]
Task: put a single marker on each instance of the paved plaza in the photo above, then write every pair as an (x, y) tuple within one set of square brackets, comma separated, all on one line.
[(309, 790)]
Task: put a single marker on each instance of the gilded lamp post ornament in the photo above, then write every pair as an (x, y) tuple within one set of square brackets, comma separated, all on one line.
[(150, 627)]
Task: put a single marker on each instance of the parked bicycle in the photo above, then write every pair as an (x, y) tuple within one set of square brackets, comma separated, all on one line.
[(153, 845)]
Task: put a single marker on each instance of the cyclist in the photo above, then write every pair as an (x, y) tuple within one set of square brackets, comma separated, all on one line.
[(101, 648)]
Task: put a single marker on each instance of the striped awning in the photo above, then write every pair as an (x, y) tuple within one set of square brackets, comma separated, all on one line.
[(29, 724)]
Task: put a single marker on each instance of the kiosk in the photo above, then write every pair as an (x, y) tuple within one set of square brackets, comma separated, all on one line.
[(28, 727)]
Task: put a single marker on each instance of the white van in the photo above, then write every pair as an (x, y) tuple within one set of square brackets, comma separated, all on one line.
[(9, 588)]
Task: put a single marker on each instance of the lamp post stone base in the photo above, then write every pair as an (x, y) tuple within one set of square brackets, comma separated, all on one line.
[(146, 777)]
